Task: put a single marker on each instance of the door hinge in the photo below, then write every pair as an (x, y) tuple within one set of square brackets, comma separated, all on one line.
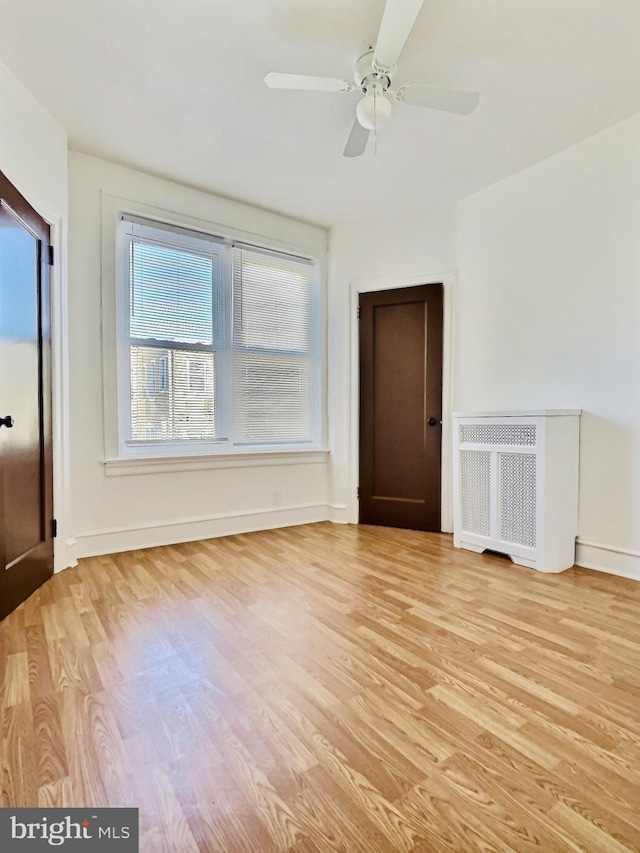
[(358, 492), (50, 256), (358, 312), (54, 527)]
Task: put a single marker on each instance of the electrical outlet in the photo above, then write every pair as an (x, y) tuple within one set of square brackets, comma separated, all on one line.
[(277, 498)]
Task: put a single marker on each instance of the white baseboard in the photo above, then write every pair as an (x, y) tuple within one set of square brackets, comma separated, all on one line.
[(338, 513), (609, 559), (64, 557), (110, 541)]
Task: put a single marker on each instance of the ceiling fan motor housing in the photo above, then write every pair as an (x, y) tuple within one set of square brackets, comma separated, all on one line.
[(367, 74)]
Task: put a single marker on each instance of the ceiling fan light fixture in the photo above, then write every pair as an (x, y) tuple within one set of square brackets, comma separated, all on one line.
[(373, 110)]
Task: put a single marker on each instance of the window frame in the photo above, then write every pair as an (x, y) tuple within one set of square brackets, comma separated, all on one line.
[(118, 449)]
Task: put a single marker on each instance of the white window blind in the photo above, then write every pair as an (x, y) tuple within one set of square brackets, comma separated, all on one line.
[(176, 328), (272, 347), (190, 380)]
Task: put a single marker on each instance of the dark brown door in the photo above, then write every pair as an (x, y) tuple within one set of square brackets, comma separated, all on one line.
[(26, 495), (401, 407)]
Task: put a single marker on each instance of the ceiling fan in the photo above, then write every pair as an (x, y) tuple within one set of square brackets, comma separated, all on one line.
[(373, 74)]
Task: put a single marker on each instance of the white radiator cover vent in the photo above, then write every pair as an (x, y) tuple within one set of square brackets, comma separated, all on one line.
[(518, 498), (516, 485), (514, 434), (475, 477)]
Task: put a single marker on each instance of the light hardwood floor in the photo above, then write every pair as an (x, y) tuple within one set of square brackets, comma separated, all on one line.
[(328, 688)]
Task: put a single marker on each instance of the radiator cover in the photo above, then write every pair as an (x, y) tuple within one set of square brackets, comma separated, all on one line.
[(516, 485)]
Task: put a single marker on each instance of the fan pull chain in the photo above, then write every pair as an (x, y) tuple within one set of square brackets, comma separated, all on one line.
[(375, 122)]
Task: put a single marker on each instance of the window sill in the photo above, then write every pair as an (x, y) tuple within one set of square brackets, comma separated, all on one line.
[(124, 467)]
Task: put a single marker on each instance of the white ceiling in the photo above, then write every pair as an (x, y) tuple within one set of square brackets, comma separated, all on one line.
[(175, 87)]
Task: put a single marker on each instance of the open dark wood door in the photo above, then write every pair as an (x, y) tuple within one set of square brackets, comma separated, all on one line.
[(401, 407), (26, 481)]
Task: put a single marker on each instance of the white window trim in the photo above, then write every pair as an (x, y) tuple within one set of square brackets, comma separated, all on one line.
[(198, 462), (150, 457)]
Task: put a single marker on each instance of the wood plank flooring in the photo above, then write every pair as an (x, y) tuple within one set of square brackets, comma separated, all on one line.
[(328, 688)]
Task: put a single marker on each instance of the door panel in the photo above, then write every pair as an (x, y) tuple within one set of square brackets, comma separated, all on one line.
[(400, 390), (26, 544)]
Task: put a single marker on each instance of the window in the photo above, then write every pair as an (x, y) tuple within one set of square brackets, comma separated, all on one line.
[(218, 343)]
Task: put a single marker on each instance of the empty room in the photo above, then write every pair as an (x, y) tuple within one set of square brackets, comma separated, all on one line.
[(320, 426)]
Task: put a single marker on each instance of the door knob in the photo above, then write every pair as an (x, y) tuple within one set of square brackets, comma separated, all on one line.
[(432, 421), (6, 421)]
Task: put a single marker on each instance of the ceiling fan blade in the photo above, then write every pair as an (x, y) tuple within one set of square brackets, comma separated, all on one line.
[(458, 101), (357, 141), (397, 22), (274, 80)]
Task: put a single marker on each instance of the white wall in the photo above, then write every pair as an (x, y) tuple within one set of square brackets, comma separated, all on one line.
[(549, 316), (33, 147), (376, 254), (33, 156), (111, 513)]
